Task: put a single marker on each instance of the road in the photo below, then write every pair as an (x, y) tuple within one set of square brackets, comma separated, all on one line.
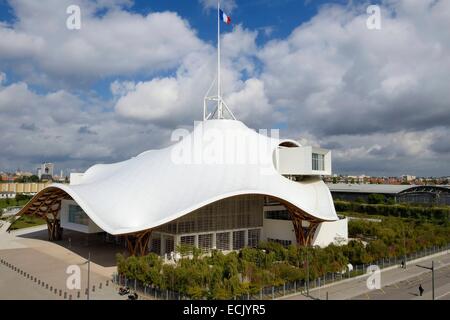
[(409, 289), (396, 283)]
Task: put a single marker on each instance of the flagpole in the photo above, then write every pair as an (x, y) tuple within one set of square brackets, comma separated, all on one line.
[(219, 93)]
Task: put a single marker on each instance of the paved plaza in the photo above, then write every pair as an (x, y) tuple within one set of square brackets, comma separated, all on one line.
[(34, 268)]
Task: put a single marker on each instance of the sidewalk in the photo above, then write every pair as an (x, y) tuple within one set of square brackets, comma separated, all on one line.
[(357, 286)]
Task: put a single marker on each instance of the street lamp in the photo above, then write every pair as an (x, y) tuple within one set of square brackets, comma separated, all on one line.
[(89, 274), (307, 271), (432, 276), (306, 224), (404, 246)]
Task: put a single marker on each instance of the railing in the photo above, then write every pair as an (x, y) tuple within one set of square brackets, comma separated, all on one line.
[(274, 292)]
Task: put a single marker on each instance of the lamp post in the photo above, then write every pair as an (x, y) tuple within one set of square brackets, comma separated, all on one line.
[(404, 246), (307, 271), (432, 277), (89, 272)]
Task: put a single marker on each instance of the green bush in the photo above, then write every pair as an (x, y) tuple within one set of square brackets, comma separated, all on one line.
[(397, 210)]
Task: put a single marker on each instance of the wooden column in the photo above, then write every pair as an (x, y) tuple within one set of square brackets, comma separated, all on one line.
[(304, 236), (54, 229), (137, 243)]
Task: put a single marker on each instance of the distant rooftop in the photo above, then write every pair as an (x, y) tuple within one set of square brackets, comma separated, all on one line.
[(368, 188), (374, 188)]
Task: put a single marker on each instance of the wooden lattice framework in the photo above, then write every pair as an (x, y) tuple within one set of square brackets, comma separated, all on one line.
[(137, 243), (47, 204), (304, 235)]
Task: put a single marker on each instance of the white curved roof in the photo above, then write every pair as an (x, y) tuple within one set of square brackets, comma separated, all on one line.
[(219, 159)]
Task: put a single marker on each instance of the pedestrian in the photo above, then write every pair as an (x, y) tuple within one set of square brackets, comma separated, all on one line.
[(421, 290), (402, 264)]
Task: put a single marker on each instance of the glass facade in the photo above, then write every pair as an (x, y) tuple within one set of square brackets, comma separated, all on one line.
[(318, 162), (238, 239), (205, 241), (170, 244), (223, 241), (233, 213), (77, 215), (277, 215), (187, 240), (253, 237), (156, 245), (284, 243)]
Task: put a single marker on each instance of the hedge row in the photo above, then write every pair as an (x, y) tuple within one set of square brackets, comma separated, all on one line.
[(397, 210)]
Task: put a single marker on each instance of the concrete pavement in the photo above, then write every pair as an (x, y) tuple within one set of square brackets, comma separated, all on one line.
[(47, 263)]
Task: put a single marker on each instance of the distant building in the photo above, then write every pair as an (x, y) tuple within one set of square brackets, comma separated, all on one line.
[(7, 195), (45, 171), (439, 195), (408, 178)]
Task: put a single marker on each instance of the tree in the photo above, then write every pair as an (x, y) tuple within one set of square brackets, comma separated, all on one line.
[(376, 198)]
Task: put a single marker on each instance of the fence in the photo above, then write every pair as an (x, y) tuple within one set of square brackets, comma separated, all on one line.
[(274, 292)]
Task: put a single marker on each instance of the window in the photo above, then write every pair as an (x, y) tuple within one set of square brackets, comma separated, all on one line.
[(253, 237), (170, 245), (223, 241), (238, 240), (77, 215), (156, 245), (278, 215), (284, 243), (318, 162), (187, 240), (205, 241)]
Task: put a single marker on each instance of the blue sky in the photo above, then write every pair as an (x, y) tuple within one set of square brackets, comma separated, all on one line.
[(136, 70)]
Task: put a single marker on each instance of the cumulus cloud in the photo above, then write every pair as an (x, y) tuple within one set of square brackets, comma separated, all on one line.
[(62, 128), (116, 43), (179, 98)]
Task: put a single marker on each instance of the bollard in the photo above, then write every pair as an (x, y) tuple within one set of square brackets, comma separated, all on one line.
[(100, 285), (93, 288), (55, 291), (78, 294), (51, 288), (60, 292), (70, 297), (65, 295), (107, 281)]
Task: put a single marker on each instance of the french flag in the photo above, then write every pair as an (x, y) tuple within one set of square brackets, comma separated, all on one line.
[(225, 18)]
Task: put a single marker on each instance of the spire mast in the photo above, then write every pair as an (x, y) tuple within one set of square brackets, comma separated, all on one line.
[(219, 89), (221, 105)]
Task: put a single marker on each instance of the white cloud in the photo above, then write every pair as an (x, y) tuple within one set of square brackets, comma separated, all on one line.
[(61, 127), (117, 43), (227, 5)]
